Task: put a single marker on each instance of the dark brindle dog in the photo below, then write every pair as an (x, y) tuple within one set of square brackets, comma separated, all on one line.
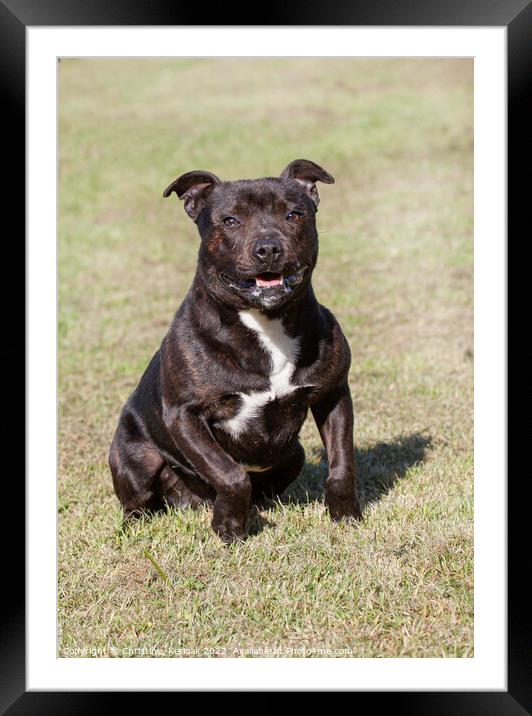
[(216, 416)]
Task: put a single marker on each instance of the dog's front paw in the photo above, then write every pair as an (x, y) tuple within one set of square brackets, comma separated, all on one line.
[(344, 509), (230, 531)]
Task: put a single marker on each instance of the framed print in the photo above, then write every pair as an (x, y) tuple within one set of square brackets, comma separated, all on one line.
[(181, 538)]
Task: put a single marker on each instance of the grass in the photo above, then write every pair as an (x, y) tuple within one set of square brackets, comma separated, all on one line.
[(396, 267)]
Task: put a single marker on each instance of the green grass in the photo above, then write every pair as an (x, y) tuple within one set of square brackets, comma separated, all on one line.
[(396, 267)]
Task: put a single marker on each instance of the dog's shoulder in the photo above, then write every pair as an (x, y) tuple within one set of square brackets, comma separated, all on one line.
[(333, 355)]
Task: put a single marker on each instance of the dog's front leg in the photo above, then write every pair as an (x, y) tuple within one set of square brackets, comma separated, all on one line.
[(194, 439), (334, 418)]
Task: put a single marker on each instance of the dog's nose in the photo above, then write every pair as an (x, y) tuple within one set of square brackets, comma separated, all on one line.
[(267, 250)]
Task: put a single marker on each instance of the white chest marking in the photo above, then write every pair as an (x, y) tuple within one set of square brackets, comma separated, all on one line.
[(283, 352)]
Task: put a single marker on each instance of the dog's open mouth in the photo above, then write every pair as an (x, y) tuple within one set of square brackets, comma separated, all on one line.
[(266, 281)]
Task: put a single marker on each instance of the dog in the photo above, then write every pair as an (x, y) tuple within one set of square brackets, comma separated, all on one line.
[(216, 416)]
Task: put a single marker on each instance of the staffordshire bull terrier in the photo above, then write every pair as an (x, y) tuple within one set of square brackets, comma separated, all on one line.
[(216, 416)]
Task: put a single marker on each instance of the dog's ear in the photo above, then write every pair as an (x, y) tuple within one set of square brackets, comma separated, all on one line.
[(193, 188), (307, 173)]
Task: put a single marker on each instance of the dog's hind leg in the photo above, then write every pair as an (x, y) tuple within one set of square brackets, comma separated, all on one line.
[(180, 491), (270, 484), (135, 467)]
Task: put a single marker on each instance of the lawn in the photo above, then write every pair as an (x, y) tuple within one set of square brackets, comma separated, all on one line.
[(396, 267)]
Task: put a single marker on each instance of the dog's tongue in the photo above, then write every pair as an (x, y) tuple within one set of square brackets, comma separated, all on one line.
[(269, 279)]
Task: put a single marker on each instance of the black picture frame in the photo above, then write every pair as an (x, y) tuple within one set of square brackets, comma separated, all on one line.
[(15, 17)]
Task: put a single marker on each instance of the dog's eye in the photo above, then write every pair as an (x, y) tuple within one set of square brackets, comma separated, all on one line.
[(294, 216), (231, 221)]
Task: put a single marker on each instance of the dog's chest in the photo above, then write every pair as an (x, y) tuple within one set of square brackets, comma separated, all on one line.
[(283, 351)]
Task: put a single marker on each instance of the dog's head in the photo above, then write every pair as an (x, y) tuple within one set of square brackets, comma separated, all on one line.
[(259, 243)]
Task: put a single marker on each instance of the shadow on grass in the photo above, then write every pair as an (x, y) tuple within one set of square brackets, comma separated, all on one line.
[(378, 469)]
